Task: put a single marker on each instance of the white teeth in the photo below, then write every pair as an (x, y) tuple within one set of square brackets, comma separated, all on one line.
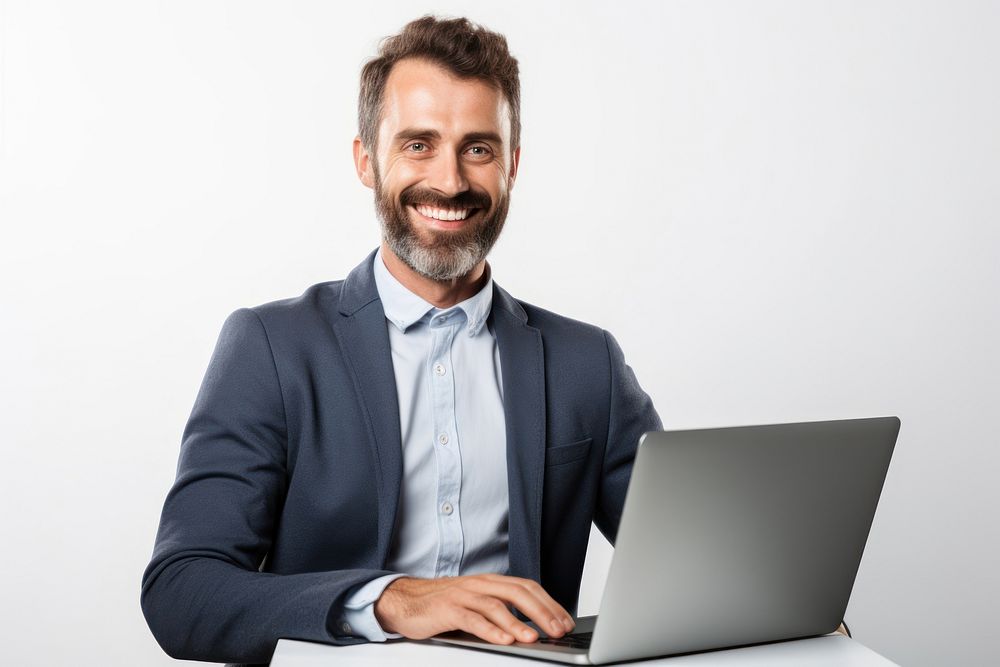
[(443, 213)]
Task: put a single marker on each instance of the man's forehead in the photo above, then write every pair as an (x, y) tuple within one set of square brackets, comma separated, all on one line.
[(422, 94)]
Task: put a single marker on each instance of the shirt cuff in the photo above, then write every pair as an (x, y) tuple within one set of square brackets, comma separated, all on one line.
[(359, 610)]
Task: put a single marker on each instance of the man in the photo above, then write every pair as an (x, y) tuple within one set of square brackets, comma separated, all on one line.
[(409, 450)]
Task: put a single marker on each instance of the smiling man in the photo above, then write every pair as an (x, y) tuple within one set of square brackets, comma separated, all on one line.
[(409, 450)]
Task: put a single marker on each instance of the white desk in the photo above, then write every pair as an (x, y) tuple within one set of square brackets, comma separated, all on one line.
[(831, 650)]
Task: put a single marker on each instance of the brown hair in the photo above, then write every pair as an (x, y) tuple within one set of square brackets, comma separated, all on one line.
[(467, 50)]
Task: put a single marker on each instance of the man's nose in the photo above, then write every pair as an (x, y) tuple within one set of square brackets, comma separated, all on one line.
[(447, 175)]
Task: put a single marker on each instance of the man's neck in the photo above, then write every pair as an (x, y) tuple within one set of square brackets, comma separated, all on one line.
[(442, 294)]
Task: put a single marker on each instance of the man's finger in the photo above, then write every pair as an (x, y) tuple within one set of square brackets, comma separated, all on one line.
[(476, 624), (495, 611), (550, 603)]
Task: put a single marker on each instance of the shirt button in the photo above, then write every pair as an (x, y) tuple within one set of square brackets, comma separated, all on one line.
[(346, 627), (443, 438), (446, 508), (439, 369)]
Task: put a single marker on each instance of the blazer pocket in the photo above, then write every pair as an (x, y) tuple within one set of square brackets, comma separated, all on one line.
[(567, 453)]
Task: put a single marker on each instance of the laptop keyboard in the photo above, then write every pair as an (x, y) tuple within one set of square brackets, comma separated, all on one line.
[(578, 640)]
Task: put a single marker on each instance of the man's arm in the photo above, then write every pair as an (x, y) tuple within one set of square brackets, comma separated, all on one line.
[(631, 413), (203, 595)]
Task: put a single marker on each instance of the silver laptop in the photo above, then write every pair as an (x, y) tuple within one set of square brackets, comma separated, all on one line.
[(730, 537)]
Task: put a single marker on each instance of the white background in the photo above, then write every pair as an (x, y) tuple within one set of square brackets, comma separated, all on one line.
[(783, 211)]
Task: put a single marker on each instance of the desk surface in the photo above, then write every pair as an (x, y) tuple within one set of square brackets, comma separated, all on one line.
[(831, 650)]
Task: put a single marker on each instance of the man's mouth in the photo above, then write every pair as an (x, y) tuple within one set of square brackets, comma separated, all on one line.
[(443, 214)]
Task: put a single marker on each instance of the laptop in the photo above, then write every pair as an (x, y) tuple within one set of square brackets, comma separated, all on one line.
[(731, 537)]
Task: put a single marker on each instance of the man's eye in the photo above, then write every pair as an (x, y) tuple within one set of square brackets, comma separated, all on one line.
[(479, 150), (418, 147)]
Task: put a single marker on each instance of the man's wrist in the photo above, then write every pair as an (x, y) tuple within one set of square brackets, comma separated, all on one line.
[(385, 607), (359, 611)]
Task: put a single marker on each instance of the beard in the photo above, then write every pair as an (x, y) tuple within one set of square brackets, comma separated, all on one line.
[(445, 255)]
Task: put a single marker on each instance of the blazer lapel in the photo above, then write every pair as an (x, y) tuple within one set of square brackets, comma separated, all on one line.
[(522, 367), (365, 340)]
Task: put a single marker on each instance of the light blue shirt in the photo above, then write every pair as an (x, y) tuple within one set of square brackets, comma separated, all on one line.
[(452, 516)]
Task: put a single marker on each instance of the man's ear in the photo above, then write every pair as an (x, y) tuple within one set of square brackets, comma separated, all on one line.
[(363, 164), (515, 159)]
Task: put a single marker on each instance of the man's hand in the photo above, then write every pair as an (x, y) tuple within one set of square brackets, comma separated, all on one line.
[(478, 604)]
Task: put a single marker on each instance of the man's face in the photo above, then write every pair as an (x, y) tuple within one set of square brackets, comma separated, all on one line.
[(443, 169)]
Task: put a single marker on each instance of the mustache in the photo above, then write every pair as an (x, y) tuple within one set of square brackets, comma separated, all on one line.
[(468, 199)]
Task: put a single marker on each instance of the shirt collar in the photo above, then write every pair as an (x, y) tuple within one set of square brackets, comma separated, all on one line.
[(404, 308)]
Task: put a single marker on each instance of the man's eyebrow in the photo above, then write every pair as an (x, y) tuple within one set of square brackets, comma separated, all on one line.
[(416, 133), (484, 136)]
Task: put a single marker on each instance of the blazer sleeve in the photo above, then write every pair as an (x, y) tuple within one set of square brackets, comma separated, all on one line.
[(203, 594), (630, 414)]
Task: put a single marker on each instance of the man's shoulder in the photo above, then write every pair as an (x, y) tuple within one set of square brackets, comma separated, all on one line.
[(565, 332), (297, 316), (324, 302), (547, 320), (320, 296)]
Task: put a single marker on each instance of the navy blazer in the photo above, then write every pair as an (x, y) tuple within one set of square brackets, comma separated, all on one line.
[(289, 472)]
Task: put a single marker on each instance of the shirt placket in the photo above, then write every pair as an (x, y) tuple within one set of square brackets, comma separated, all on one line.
[(451, 543)]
